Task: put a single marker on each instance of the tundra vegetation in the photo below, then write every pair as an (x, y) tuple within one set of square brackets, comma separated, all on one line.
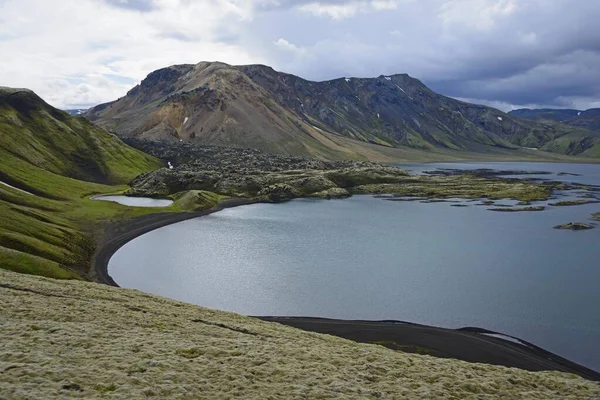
[(109, 343), (252, 174)]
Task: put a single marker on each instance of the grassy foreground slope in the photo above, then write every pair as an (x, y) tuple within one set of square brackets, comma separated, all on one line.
[(50, 164), (114, 343)]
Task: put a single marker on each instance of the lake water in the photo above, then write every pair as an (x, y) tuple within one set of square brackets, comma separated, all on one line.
[(368, 258), (579, 173), (135, 201)]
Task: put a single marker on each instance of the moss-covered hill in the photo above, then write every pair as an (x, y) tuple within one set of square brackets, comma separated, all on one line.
[(110, 343), (38, 134), (50, 163)]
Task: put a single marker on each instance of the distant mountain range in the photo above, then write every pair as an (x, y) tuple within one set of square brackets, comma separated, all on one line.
[(76, 111), (256, 106), (588, 119)]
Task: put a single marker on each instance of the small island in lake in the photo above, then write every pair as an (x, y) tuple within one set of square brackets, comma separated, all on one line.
[(575, 226)]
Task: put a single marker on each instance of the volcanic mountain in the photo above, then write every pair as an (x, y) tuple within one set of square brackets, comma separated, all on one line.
[(256, 106)]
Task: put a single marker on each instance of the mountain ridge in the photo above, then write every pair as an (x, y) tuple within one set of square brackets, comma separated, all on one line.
[(588, 119), (256, 106)]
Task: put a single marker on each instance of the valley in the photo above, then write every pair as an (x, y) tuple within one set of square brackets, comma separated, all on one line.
[(58, 170), (303, 200)]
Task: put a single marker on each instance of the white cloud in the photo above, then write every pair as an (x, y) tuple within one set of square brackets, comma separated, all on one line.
[(480, 14), (529, 38), (285, 45), (83, 52), (347, 9)]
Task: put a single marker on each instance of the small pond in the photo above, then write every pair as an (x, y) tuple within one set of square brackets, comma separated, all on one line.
[(135, 201)]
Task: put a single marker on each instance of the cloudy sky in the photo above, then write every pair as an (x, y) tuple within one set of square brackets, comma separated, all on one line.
[(505, 53)]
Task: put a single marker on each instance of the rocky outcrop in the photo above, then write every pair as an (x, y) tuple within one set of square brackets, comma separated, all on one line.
[(252, 174)]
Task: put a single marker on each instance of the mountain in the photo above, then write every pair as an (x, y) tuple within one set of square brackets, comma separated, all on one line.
[(35, 133), (77, 111), (549, 114), (256, 106), (50, 165), (588, 119)]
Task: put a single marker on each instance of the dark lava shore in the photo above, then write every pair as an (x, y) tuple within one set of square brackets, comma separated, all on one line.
[(118, 234), (467, 344)]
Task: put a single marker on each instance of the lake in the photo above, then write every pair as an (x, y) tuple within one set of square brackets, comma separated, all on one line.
[(368, 258)]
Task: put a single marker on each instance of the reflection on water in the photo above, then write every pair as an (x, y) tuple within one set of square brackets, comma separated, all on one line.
[(370, 258)]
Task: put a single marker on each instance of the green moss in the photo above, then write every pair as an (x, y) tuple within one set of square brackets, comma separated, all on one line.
[(407, 348), (105, 388), (196, 200), (518, 209), (59, 160), (17, 261), (461, 186), (575, 226), (573, 202), (190, 353)]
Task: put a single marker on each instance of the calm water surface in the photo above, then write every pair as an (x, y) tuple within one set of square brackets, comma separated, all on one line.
[(135, 201), (368, 258)]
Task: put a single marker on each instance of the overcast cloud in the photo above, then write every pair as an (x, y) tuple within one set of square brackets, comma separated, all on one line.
[(505, 53)]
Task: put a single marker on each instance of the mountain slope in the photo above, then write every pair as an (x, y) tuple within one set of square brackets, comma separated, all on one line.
[(256, 106), (50, 139), (84, 340), (557, 115), (50, 163), (588, 119)]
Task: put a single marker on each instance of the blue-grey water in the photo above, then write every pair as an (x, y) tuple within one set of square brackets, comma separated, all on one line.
[(135, 201), (368, 258), (578, 173)]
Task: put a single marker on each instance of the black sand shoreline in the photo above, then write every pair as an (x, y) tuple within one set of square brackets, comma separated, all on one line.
[(117, 235), (467, 344)]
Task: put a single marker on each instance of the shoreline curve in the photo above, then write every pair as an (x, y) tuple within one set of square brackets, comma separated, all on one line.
[(467, 344), (116, 235)]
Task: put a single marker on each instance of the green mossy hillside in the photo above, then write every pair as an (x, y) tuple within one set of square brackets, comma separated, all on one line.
[(50, 165), (35, 133), (196, 200)]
